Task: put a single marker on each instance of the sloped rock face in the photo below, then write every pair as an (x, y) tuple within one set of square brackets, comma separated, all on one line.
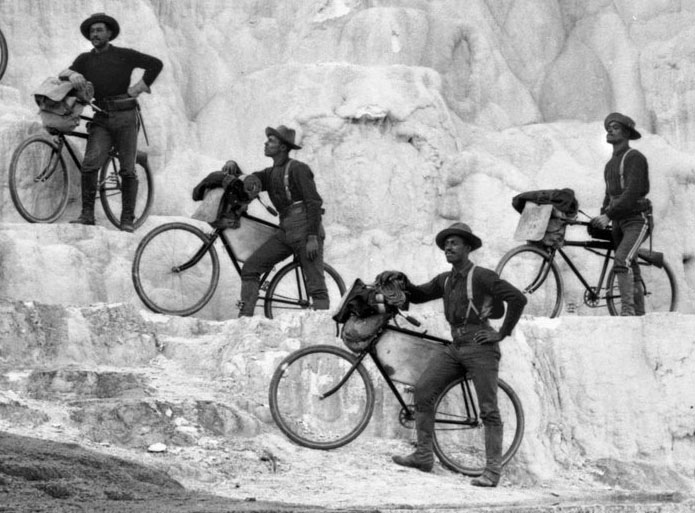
[(412, 115), (620, 408)]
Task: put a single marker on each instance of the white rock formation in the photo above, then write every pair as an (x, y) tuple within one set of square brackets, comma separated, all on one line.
[(612, 400), (413, 114)]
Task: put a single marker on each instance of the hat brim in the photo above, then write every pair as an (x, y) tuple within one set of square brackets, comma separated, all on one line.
[(271, 131), (471, 239), (100, 18)]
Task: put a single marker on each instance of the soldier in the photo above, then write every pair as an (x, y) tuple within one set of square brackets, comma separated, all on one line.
[(625, 204), (475, 349), (109, 69), (292, 190)]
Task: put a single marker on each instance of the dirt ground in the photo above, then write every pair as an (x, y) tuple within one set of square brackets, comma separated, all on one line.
[(270, 474)]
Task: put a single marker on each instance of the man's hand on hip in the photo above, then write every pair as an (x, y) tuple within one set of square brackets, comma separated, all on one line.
[(487, 336), (312, 247)]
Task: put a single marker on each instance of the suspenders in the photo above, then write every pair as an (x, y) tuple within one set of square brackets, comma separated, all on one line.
[(486, 308), (286, 180), (622, 168)]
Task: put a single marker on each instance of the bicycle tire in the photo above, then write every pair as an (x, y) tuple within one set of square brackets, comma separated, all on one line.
[(287, 289), (307, 419), (4, 57), (39, 180), (110, 190), (659, 284), (459, 435), (525, 267), (158, 283)]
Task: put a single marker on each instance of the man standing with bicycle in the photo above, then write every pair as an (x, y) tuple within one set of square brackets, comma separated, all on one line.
[(475, 349), (625, 204), (116, 123), (292, 190)]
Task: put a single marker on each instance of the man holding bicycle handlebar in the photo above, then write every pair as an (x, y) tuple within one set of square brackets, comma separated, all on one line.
[(625, 204), (475, 349), (292, 190), (116, 122)]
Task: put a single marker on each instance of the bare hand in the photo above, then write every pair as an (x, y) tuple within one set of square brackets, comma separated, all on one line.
[(78, 81), (231, 168), (487, 336), (312, 247), (600, 221)]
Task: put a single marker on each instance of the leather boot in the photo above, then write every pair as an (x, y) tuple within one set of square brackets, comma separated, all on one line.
[(639, 297), (89, 194), (249, 296), (129, 195), (423, 457), (493, 458), (626, 285)]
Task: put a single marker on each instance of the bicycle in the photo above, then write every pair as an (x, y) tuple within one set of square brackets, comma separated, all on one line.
[(176, 269), (40, 183), (533, 269), (322, 397), (3, 54)]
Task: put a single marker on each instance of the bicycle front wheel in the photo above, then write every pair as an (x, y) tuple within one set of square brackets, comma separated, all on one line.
[(299, 407), (175, 269), (459, 434), (39, 181), (659, 285), (287, 290), (3, 54), (110, 190), (531, 270)]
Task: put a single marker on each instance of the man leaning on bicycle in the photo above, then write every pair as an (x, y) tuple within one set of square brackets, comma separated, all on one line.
[(475, 347), (625, 204), (116, 125)]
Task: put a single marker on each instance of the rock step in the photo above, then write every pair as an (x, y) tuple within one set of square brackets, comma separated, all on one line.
[(121, 407)]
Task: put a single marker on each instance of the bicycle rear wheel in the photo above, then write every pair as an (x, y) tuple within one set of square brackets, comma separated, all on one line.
[(459, 435), (301, 412), (175, 269), (530, 269), (287, 289), (110, 190), (3, 54), (660, 289), (39, 180)]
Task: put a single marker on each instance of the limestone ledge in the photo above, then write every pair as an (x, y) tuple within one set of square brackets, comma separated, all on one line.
[(611, 394)]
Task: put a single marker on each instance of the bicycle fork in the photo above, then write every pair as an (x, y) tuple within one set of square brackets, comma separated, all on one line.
[(52, 164)]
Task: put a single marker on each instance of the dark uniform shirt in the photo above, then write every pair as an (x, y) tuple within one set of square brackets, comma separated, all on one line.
[(451, 286), (302, 188), (110, 70), (622, 201)]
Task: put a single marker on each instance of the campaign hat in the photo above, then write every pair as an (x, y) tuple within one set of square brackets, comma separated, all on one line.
[(100, 17), (286, 135), (462, 230), (624, 120)]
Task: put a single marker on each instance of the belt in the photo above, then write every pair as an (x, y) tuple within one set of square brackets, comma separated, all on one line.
[(117, 103), (297, 207), (458, 333)]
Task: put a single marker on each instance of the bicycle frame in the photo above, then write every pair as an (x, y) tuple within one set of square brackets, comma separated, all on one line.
[(218, 233), (597, 247), (472, 418)]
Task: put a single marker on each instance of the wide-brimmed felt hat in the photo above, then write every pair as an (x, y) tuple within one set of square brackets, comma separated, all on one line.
[(624, 120), (100, 17), (285, 134), (462, 230)]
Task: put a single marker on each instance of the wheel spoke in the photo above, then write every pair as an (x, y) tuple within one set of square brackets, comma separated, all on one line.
[(298, 404), (157, 278), (460, 438), (38, 180)]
